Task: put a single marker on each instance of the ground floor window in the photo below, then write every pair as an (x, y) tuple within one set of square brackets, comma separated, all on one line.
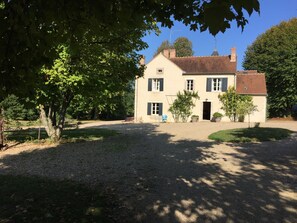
[(154, 108)]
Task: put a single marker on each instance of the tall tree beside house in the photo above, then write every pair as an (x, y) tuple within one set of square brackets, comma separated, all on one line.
[(164, 45), (31, 30), (92, 73), (275, 53), (183, 47)]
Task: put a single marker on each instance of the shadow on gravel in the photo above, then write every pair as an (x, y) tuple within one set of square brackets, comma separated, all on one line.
[(148, 177)]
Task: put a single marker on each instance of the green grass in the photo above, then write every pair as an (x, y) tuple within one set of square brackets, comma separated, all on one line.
[(250, 135), (32, 199), (69, 135)]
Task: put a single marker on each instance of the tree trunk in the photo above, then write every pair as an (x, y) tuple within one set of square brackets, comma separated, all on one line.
[(1, 133), (52, 131)]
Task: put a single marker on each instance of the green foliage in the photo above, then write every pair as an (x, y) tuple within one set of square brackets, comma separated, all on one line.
[(236, 105), (250, 135), (181, 108), (275, 53), (92, 77), (164, 45), (217, 115), (30, 33), (12, 109), (183, 47)]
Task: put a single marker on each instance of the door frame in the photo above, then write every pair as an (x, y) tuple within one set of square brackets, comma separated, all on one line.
[(206, 110)]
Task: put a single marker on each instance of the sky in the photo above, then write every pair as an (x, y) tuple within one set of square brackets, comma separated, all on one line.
[(272, 12)]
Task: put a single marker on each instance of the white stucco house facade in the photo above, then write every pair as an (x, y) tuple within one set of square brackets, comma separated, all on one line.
[(165, 75)]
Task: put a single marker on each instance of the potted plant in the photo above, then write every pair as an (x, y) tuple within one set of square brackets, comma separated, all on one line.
[(217, 116), (194, 118)]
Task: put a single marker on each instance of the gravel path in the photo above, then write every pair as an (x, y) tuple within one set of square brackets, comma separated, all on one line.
[(173, 173)]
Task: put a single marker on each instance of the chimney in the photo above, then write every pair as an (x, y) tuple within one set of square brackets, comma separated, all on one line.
[(166, 53), (169, 53), (172, 53), (142, 60), (233, 55)]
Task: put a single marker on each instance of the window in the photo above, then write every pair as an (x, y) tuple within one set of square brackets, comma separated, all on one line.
[(190, 85), (160, 70), (154, 108), (155, 84), (216, 84)]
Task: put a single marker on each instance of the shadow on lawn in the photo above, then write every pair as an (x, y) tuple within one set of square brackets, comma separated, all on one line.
[(156, 179)]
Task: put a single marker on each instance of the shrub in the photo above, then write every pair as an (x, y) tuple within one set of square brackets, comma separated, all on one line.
[(217, 115)]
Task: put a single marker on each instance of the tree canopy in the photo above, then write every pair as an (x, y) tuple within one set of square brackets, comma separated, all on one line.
[(275, 53), (183, 47), (32, 30), (236, 106)]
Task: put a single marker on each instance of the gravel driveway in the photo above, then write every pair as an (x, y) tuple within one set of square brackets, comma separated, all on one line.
[(173, 173)]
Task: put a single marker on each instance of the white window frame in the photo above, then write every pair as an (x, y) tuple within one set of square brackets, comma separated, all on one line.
[(190, 84), (156, 84), (216, 84), (160, 70), (155, 108)]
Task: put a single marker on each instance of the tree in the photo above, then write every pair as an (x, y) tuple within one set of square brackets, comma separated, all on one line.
[(164, 45), (90, 73), (245, 107), (236, 106), (183, 47), (12, 109), (275, 53), (181, 108), (32, 30)]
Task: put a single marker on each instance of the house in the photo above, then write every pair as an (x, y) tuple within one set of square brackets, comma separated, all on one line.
[(167, 74)]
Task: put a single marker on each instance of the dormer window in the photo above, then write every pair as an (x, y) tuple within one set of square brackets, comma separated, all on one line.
[(160, 70)]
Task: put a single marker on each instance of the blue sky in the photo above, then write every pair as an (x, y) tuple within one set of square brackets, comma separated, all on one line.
[(272, 13)]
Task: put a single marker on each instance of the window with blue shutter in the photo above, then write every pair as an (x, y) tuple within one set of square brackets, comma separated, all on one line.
[(149, 108), (208, 84), (161, 84), (160, 109), (150, 84), (224, 84), (154, 108)]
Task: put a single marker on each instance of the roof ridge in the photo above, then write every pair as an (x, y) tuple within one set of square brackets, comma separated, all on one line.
[(199, 56)]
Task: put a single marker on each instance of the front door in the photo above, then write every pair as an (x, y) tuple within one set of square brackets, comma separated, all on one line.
[(206, 110)]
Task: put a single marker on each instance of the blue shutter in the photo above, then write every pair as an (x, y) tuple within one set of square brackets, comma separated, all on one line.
[(150, 84), (161, 84), (149, 108), (160, 108), (224, 84), (208, 84)]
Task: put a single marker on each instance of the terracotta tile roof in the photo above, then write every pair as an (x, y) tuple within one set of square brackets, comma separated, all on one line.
[(251, 82), (209, 64)]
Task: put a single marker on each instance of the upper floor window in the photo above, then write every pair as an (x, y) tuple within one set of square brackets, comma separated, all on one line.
[(189, 85), (216, 84), (155, 84), (160, 70)]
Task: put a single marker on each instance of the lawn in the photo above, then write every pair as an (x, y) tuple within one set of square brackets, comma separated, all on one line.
[(69, 135), (250, 135), (33, 199)]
